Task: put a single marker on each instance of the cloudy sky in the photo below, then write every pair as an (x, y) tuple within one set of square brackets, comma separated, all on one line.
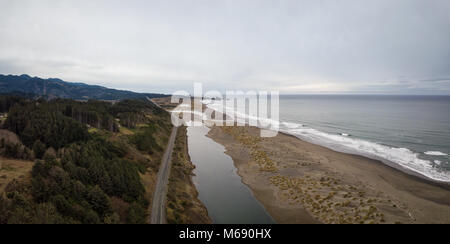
[(373, 46)]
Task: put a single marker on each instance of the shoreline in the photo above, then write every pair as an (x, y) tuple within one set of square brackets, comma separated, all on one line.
[(301, 182), (391, 165), (390, 195), (398, 166)]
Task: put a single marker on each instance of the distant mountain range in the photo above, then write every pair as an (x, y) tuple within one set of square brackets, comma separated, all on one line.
[(53, 88)]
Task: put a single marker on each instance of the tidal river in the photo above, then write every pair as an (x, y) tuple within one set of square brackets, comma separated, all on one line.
[(220, 188)]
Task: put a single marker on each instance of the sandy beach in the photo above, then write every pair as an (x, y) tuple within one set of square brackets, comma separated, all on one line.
[(303, 183)]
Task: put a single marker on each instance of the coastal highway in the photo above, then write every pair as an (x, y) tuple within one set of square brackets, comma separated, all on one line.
[(156, 104), (158, 215)]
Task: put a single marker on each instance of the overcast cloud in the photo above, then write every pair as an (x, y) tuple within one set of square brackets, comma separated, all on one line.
[(379, 46)]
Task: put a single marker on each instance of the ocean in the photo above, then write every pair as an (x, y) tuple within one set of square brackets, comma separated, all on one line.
[(410, 133)]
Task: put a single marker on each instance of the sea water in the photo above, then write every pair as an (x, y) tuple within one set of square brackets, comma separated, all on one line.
[(410, 133)]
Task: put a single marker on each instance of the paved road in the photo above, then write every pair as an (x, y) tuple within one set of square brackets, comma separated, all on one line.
[(158, 215), (157, 105)]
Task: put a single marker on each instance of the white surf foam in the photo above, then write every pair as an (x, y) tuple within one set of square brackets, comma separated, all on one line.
[(435, 153), (402, 157), (290, 125)]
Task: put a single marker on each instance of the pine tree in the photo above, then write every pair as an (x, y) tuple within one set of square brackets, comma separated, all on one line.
[(39, 149)]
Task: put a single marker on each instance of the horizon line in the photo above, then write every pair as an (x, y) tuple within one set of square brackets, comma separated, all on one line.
[(318, 93)]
